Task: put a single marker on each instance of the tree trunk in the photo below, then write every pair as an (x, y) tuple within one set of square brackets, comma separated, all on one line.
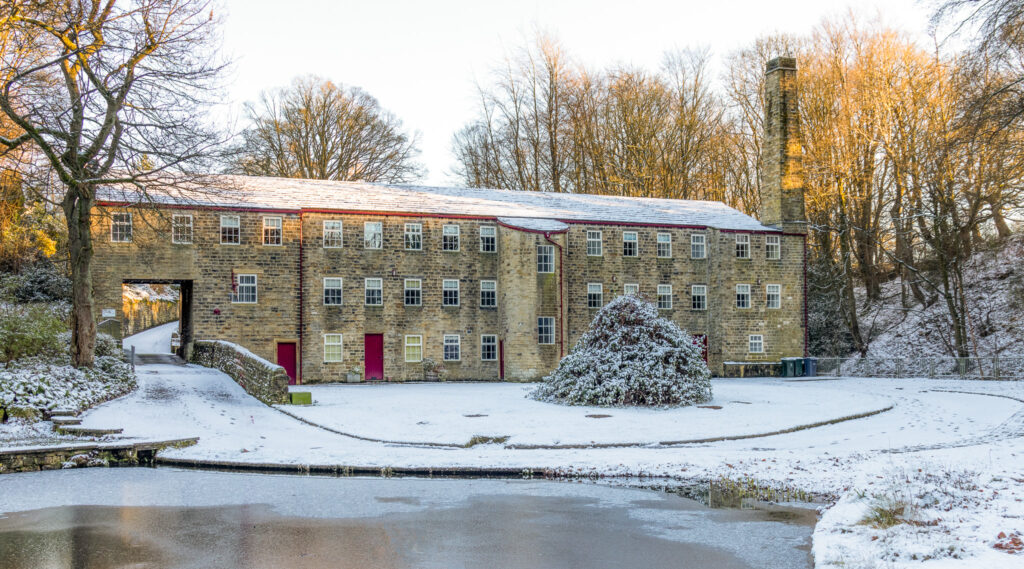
[(78, 212)]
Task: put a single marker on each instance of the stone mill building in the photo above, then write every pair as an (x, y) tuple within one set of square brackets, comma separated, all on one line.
[(341, 281)]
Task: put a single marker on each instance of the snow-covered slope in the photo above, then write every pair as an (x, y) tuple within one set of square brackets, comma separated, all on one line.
[(995, 297)]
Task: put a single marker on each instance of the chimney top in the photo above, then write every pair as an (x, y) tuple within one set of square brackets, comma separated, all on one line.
[(787, 63)]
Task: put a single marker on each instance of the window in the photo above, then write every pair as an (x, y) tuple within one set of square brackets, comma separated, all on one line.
[(773, 295), (244, 289), (545, 330), (414, 348), (772, 247), (488, 347), (450, 238), (332, 234), (230, 233), (333, 348), (413, 292), (488, 239), (632, 288), (488, 294), (545, 258), (374, 292), (451, 348), (271, 230), (181, 229), (332, 291), (595, 295), (755, 344), (697, 246), (450, 292), (665, 297), (595, 244), (121, 228), (414, 236), (629, 245), (699, 297), (742, 246), (742, 296), (373, 235), (665, 245)]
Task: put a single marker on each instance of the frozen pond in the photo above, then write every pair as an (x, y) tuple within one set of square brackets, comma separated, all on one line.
[(107, 518)]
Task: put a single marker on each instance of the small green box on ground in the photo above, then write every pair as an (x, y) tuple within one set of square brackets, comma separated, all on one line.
[(301, 398)]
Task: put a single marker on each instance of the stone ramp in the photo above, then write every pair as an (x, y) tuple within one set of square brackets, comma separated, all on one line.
[(169, 359)]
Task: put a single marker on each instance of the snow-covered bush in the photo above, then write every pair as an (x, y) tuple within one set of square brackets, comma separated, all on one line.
[(47, 382), (28, 330), (43, 282), (106, 345), (630, 356)]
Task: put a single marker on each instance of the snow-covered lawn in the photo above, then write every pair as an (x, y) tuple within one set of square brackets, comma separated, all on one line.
[(156, 340), (455, 413), (934, 426)]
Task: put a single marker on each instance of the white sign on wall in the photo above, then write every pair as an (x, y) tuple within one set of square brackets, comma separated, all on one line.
[(109, 312)]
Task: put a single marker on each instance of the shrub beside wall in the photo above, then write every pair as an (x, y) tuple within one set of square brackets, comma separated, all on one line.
[(263, 380)]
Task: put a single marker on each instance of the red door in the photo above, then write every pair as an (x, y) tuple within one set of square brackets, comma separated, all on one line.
[(373, 347), (702, 341), (286, 359)]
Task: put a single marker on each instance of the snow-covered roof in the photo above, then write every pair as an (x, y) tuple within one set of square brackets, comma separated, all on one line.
[(299, 194)]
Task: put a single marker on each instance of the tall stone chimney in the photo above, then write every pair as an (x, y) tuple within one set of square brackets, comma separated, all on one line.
[(782, 182)]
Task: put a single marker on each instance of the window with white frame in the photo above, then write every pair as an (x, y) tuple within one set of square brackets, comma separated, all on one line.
[(698, 246), (698, 297), (414, 236), (665, 245), (773, 295), (413, 348), (450, 238), (452, 348), (631, 288), (332, 291), (545, 330), (230, 230), (488, 239), (449, 292), (413, 292), (772, 247), (333, 351), (181, 229), (595, 295), (742, 246), (665, 297), (332, 234), (755, 344), (488, 347), (630, 248), (488, 294), (742, 296), (272, 230), (373, 235), (374, 292), (244, 290), (545, 258), (121, 227), (595, 243)]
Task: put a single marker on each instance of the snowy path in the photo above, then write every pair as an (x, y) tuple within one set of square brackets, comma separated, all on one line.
[(156, 340)]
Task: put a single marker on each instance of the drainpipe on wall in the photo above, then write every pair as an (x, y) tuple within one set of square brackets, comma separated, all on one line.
[(302, 344), (562, 322)]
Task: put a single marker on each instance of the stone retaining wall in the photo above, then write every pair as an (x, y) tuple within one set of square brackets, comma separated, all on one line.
[(751, 369), (83, 455), (263, 380)]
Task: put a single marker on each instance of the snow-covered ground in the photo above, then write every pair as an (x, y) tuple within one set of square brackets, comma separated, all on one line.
[(935, 426), (458, 412), (156, 340)]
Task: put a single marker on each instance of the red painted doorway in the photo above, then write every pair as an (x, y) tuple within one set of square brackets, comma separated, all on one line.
[(373, 349), (286, 358)]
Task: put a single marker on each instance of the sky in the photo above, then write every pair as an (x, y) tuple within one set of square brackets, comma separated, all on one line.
[(423, 59)]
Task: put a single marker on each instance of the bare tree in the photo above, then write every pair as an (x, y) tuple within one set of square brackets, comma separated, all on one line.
[(108, 93), (317, 129)]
